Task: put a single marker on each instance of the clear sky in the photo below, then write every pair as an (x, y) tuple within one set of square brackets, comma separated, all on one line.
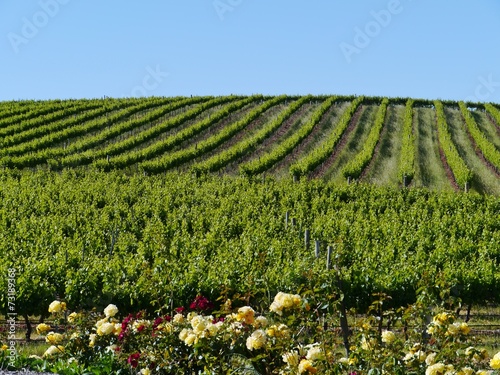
[(90, 48)]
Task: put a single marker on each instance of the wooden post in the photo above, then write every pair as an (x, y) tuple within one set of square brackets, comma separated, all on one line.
[(405, 182), (307, 239), (316, 248), (286, 219), (344, 325), (466, 187), (348, 180), (294, 222), (328, 257)]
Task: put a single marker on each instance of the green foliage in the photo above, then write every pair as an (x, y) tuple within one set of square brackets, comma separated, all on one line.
[(161, 146), (462, 174), (317, 156), (172, 160), (407, 162), (356, 166), (156, 241), (279, 152), (488, 149), (218, 161)]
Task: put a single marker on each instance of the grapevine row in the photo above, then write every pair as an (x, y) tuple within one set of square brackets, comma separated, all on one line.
[(47, 118), (90, 155), (461, 173), (10, 110), (493, 111), (95, 238), (36, 112), (488, 149), (317, 156), (43, 155), (407, 161), (356, 166), (278, 153), (218, 161), (177, 158), (170, 142), (14, 144)]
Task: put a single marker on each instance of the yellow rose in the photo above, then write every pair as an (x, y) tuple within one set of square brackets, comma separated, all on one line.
[(42, 328), (464, 328), (54, 338), (315, 353), (101, 322), (281, 331), (73, 317), (110, 310), (183, 334), (53, 350), (92, 337), (276, 308), (178, 318), (388, 337), (436, 369), (495, 362), (443, 319), (305, 365), (105, 329), (285, 299), (118, 328), (257, 340), (191, 339), (57, 306), (431, 359), (450, 370), (466, 371), (4, 347), (199, 324), (246, 315)]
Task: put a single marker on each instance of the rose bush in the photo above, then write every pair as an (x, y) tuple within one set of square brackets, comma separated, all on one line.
[(290, 338)]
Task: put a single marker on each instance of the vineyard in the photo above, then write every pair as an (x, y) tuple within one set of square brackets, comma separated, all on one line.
[(149, 203), (388, 142)]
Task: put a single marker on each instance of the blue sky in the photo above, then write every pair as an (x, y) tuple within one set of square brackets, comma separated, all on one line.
[(411, 48)]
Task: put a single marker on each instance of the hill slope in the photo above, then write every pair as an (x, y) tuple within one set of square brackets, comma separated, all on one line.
[(392, 142)]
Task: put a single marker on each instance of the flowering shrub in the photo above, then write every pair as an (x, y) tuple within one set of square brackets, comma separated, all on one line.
[(288, 339)]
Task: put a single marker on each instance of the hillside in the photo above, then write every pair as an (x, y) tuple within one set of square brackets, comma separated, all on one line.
[(390, 142)]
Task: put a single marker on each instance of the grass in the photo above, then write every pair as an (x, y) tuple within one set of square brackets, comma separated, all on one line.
[(429, 170), (354, 143), (384, 168), (326, 126), (488, 129), (484, 181)]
